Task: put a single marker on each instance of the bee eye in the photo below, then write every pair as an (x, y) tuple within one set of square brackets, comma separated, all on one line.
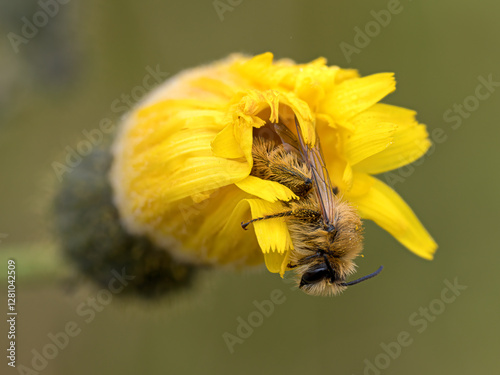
[(312, 277)]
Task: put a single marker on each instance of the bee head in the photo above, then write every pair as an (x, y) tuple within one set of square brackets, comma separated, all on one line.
[(322, 279), (315, 275)]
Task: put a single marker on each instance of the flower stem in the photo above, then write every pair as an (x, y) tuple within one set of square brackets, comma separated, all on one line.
[(34, 263)]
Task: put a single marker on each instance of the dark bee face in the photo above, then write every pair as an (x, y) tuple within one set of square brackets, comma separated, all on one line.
[(316, 275), (320, 280)]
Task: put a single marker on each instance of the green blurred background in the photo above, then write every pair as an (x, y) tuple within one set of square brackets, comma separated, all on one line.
[(64, 79)]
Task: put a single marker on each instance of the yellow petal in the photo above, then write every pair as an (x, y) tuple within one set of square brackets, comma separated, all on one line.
[(309, 90), (233, 245), (384, 206), (274, 262), (244, 136), (368, 139), (272, 234), (270, 191), (410, 139), (361, 186), (225, 144), (218, 209), (355, 95), (214, 87), (312, 80), (381, 112), (169, 107), (257, 66), (304, 116), (347, 177), (199, 174), (346, 74), (331, 143), (409, 144)]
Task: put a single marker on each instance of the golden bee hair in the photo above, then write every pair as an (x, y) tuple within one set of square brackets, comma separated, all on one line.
[(325, 245)]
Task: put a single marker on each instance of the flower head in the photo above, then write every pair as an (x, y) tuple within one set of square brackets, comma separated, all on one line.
[(183, 158)]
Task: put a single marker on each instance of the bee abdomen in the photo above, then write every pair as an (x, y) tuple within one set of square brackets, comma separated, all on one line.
[(274, 163)]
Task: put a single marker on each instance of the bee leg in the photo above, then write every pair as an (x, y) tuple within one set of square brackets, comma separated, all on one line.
[(307, 215), (281, 214), (304, 214)]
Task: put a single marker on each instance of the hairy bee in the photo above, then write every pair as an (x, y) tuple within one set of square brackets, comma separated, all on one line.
[(326, 231)]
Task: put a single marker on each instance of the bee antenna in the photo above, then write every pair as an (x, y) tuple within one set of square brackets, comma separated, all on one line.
[(373, 274)]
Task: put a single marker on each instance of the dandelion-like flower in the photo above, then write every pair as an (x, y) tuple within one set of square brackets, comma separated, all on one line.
[(183, 157)]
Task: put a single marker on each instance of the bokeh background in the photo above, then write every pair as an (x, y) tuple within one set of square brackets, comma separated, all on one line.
[(62, 80)]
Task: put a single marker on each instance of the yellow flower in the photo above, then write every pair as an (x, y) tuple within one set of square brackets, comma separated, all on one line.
[(183, 158)]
